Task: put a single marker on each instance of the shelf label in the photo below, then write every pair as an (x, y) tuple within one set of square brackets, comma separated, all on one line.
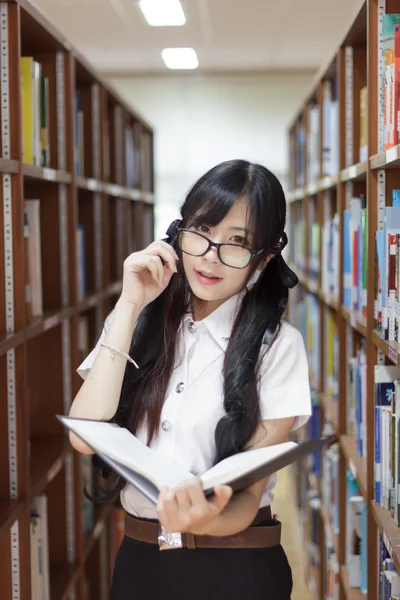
[(391, 154), (50, 322), (92, 185), (115, 190), (312, 189), (392, 354), (353, 172), (49, 174)]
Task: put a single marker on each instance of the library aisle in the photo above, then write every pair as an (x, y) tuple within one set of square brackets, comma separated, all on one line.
[(292, 538)]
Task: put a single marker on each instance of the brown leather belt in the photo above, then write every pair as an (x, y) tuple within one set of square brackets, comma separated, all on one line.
[(255, 536)]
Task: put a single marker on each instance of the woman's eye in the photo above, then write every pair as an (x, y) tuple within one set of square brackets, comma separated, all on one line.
[(204, 229), (238, 239)]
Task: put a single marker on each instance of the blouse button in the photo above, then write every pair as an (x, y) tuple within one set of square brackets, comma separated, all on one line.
[(192, 327), (180, 387), (166, 425)]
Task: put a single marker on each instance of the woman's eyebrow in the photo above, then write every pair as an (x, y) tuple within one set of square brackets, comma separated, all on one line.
[(239, 229)]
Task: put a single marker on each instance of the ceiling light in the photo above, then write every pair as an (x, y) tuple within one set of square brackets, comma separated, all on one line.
[(163, 13), (180, 58)]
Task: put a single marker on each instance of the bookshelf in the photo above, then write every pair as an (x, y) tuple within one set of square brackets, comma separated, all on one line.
[(344, 167), (77, 193)]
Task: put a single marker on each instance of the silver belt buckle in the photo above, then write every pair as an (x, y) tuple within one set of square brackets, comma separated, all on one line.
[(169, 541)]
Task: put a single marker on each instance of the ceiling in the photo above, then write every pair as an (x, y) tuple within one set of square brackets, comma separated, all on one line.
[(228, 35)]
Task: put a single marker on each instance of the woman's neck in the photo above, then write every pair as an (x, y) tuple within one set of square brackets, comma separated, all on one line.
[(203, 308)]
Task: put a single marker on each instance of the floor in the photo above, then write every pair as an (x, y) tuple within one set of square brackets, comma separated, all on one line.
[(285, 506)]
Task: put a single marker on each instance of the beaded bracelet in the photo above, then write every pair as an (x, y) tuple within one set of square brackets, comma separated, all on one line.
[(115, 351)]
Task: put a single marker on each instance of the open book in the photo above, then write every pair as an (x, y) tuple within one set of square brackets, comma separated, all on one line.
[(149, 472)]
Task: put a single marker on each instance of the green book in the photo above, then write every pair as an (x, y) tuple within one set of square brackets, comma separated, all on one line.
[(44, 121)]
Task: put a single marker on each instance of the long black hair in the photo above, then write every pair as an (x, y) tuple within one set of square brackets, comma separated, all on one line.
[(153, 342)]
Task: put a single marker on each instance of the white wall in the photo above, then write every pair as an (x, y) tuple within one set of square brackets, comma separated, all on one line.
[(202, 120)]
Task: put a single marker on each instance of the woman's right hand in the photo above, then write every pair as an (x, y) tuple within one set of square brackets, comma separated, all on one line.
[(145, 277)]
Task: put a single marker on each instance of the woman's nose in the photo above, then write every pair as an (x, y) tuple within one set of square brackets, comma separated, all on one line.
[(212, 255)]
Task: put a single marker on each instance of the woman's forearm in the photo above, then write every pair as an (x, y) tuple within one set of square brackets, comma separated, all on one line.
[(99, 395), (237, 516)]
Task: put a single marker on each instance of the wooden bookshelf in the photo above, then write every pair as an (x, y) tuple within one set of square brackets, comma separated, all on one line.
[(93, 167), (315, 194)]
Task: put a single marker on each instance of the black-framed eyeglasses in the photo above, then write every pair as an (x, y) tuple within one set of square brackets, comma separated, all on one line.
[(231, 255)]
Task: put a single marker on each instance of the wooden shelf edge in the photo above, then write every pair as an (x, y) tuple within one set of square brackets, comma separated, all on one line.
[(389, 531), (350, 593), (357, 464), (390, 349), (9, 341), (357, 321), (113, 189), (388, 159), (10, 511), (8, 166), (329, 300), (357, 171), (47, 459), (48, 321), (46, 174)]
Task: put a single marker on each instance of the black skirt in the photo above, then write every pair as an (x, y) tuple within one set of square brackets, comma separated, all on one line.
[(143, 572)]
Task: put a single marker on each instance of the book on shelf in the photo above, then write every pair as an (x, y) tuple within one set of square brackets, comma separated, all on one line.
[(34, 256), (313, 142), (307, 319), (149, 472), (28, 278), (332, 570), (130, 155), (389, 579), (330, 247), (81, 261), (390, 84), (44, 122), (330, 486), (356, 398), (79, 137), (387, 429), (355, 230), (330, 128), (87, 505), (35, 113), (363, 153), (83, 336), (387, 273), (39, 543), (331, 356)]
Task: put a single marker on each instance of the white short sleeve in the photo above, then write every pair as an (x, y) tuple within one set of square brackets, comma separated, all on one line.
[(284, 384), (87, 364)]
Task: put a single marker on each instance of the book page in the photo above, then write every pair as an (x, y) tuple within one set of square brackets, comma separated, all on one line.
[(235, 466), (120, 445)]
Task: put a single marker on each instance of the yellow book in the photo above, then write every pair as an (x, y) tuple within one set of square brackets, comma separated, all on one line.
[(27, 66)]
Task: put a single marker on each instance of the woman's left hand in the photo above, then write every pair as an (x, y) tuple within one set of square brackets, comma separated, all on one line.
[(186, 509)]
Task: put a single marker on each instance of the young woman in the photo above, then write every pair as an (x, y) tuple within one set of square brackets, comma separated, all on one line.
[(219, 372)]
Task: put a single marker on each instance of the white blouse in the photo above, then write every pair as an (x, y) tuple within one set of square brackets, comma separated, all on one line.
[(194, 399)]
